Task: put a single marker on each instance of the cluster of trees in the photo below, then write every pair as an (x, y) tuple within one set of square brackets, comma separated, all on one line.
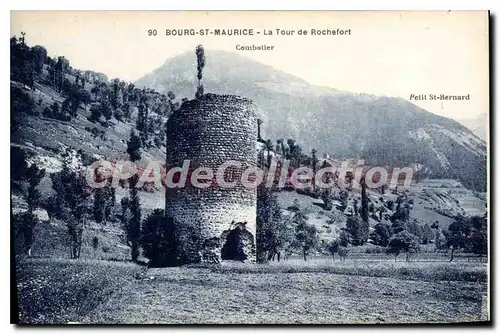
[(277, 237), (107, 99), (293, 152), (74, 202), (405, 235), (26, 178), (288, 149), (469, 234), (402, 234), (399, 235), (31, 64), (25, 62), (70, 202)]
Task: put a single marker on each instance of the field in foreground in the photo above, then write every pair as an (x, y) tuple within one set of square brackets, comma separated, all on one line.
[(62, 291)]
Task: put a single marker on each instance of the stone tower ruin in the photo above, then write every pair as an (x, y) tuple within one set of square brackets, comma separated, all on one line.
[(214, 223)]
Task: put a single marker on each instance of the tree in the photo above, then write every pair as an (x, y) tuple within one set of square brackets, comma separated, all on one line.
[(95, 114), (39, 57), (333, 247), (28, 220), (306, 235), (106, 109), (479, 235), (428, 235), (402, 211), (344, 238), (381, 209), (73, 194), (26, 223), (314, 160), (84, 96), (22, 61), (356, 208), (268, 146), (103, 203), (119, 115), (200, 58), (403, 242), (459, 235), (358, 230), (134, 147), (364, 201), (127, 111), (61, 68), (259, 124), (398, 226), (343, 198), (74, 97), (134, 223), (21, 102), (381, 234), (117, 88), (294, 153), (125, 205), (280, 146), (440, 240), (18, 163), (272, 233), (327, 198), (34, 175), (56, 110), (95, 90), (416, 229), (142, 119)]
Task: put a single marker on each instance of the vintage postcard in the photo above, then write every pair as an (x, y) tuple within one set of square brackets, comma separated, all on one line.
[(230, 167)]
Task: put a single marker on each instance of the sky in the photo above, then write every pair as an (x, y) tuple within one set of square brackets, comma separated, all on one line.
[(395, 53)]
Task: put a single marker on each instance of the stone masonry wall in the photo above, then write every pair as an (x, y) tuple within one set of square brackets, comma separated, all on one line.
[(210, 131)]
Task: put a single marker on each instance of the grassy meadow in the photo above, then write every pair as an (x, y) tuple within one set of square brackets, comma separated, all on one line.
[(293, 291)]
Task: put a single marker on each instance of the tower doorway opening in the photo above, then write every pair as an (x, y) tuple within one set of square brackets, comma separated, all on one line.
[(239, 244)]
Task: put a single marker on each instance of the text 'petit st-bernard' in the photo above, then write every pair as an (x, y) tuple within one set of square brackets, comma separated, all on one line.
[(439, 97)]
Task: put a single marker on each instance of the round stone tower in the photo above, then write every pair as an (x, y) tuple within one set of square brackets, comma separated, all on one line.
[(213, 223)]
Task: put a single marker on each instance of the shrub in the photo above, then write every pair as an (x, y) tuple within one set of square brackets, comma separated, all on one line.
[(157, 239)]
